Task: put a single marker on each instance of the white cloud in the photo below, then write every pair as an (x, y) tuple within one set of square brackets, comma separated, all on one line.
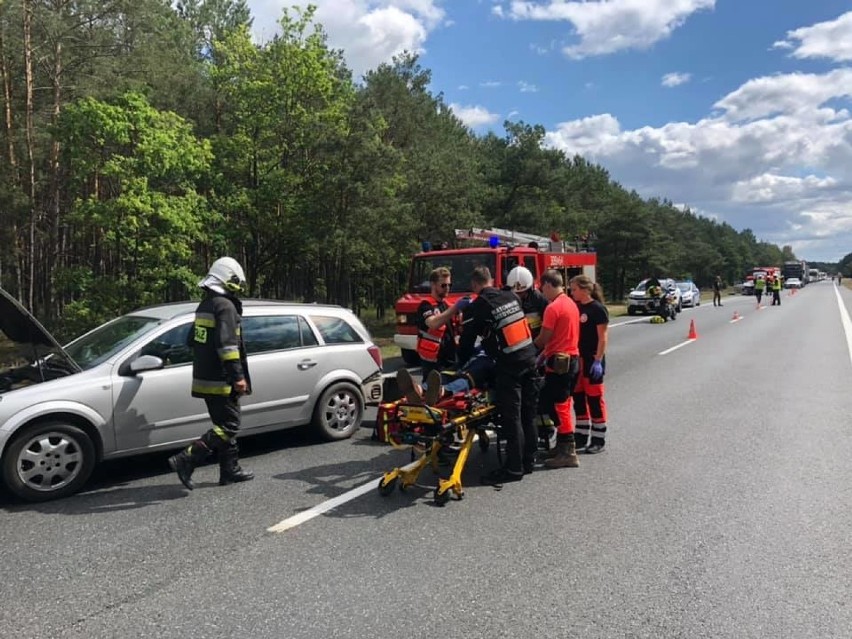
[(368, 31), (474, 116), (675, 79), (607, 26), (526, 87), (490, 84), (832, 39), (774, 158), (790, 93)]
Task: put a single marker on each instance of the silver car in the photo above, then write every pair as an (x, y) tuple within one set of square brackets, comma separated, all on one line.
[(124, 388)]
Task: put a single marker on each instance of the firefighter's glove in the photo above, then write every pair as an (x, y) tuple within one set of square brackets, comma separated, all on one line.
[(596, 371), (462, 304)]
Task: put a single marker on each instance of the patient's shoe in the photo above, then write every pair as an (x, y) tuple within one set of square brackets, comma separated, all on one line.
[(434, 390), (407, 387)]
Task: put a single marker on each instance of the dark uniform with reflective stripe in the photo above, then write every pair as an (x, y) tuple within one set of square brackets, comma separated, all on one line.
[(498, 318), (534, 303), (435, 346), (219, 362)]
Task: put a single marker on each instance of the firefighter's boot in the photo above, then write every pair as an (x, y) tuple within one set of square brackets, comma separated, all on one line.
[(185, 462), (230, 471), (566, 453)]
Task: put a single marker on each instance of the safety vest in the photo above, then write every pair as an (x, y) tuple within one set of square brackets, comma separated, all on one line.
[(513, 332), (429, 341)]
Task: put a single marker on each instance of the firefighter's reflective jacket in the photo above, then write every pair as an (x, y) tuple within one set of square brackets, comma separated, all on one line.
[(498, 318), (435, 345), (533, 305), (219, 353)]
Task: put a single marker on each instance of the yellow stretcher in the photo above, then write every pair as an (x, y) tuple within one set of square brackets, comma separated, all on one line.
[(429, 430)]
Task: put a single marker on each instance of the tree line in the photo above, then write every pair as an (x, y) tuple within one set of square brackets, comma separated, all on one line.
[(144, 138)]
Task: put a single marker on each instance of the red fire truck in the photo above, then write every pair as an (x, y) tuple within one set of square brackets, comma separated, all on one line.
[(498, 249)]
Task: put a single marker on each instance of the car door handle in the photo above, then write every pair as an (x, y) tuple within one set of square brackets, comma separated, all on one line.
[(305, 364)]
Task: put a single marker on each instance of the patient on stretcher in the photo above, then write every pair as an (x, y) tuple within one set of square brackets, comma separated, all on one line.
[(477, 373)]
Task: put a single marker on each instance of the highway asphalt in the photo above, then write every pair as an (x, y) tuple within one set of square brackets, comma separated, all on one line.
[(721, 508)]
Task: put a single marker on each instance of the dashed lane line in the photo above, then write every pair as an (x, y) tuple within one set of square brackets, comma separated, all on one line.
[(324, 507), (674, 348)]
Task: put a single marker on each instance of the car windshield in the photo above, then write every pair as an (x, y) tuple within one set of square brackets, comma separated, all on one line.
[(105, 341), (686, 287), (461, 266)]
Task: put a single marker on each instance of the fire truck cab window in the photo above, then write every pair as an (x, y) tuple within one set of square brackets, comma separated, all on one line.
[(461, 266)]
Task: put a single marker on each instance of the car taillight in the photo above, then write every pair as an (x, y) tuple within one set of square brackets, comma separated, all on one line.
[(376, 354)]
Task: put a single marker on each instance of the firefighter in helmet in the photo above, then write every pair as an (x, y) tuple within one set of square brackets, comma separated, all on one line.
[(219, 373), (533, 302)]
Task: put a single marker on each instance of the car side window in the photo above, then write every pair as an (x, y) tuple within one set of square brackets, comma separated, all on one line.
[(335, 330), (308, 336), (171, 346), (272, 333)]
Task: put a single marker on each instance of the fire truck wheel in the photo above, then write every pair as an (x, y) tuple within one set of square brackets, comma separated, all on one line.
[(411, 358)]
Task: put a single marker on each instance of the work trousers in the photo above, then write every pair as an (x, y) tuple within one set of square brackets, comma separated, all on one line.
[(225, 414), (556, 399), (517, 401)]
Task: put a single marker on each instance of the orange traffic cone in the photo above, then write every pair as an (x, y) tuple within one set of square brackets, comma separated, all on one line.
[(692, 333), (736, 316)]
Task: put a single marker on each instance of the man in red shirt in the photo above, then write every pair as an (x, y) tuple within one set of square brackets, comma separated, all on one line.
[(558, 340)]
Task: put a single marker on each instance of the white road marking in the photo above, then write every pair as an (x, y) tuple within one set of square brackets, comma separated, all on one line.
[(736, 319), (674, 348), (324, 507), (844, 319), (633, 321)]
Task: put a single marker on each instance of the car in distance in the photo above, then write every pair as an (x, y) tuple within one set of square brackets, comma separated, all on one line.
[(792, 282), (638, 300), (689, 293), (124, 387)]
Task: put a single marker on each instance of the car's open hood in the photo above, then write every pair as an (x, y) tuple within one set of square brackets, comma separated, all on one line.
[(27, 348)]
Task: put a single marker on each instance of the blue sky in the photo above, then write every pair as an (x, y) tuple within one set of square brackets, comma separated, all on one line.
[(739, 109)]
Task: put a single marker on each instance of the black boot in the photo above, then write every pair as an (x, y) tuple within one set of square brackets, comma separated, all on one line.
[(229, 468), (597, 446), (185, 462)]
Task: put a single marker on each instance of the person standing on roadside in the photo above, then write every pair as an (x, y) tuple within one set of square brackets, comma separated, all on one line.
[(219, 373), (717, 291), (496, 316), (759, 286), (588, 396), (776, 291), (558, 340)]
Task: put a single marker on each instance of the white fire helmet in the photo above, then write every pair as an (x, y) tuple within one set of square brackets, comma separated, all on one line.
[(520, 279), (225, 276)]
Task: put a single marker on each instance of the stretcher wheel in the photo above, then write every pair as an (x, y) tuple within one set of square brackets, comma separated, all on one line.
[(441, 499), (386, 489)]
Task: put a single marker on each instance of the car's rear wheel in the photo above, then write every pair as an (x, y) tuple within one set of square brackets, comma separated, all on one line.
[(48, 461), (338, 412)]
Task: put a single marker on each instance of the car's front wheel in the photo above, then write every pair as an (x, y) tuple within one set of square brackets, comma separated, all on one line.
[(48, 461), (338, 412)]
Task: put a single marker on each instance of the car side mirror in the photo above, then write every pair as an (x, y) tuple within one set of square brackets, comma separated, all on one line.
[(146, 363)]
